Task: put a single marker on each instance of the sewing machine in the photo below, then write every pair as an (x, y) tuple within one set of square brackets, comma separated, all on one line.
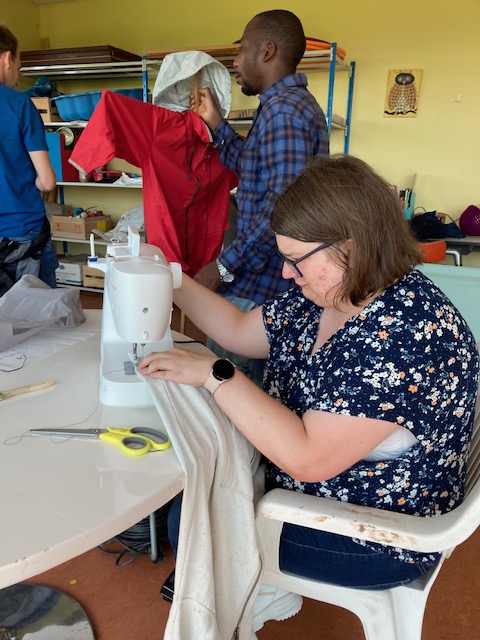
[(137, 309)]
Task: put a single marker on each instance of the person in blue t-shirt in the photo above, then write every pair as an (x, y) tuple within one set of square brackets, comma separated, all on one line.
[(25, 171)]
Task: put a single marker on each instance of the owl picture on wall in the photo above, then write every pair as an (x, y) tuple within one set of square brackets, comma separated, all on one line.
[(403, 90)]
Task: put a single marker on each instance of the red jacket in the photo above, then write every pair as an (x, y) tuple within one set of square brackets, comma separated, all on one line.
[(186, 188)]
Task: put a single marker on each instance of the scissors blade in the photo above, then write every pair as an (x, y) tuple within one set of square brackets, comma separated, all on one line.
[(76, 433)]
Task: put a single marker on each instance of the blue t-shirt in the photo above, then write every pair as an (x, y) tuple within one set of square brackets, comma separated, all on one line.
[(408, 358), (21, 131)]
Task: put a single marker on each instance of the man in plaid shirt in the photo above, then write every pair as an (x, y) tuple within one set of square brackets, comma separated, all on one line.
[(288, 129)]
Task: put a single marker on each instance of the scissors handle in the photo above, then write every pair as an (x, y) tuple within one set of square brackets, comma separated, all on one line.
[(157, 440), (131, 445)]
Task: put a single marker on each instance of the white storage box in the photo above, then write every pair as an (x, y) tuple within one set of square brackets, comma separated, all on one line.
[(69, 270)]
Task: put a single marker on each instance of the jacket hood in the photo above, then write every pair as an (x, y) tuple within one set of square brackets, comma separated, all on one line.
[(175, 80)]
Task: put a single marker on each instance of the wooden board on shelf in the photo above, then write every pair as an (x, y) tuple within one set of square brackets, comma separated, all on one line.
[(76, 55), (224, 53), (317, 52), (220, 50)]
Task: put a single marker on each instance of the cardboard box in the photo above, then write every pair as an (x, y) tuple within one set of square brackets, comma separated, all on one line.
[(76, 227), (48, 111), (69, 269), (93, 278)]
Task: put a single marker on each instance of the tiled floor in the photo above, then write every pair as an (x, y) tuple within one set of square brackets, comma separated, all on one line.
[(124, 603)]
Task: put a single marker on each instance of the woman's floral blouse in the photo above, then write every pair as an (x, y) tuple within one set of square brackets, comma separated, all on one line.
[(408, 358)]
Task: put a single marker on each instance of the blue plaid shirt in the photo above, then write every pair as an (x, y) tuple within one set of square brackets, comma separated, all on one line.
[(288, 129)]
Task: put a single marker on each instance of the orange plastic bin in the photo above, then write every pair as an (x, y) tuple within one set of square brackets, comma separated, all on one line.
[(434, 250)]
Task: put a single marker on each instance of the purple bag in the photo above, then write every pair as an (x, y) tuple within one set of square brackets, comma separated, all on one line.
[(470, 221)]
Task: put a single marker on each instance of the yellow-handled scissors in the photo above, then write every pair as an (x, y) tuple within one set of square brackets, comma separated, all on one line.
[(134, 441)]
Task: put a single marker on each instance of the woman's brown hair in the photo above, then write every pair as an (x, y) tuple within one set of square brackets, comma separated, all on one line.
[(340, 198)]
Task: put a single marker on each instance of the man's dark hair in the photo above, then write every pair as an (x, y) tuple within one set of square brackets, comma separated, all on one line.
[(285, 30), (8, 42)]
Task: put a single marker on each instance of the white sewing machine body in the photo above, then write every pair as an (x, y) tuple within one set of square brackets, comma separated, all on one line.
[(137, 310)]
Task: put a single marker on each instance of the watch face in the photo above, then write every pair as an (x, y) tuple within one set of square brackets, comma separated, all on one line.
[(223, 369)]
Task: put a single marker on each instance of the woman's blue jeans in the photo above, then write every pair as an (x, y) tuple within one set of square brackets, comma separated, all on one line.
[(339, 560), (328, 557)]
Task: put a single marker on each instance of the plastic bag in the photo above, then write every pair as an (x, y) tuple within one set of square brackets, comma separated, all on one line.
[(131, 218), (31, 305)]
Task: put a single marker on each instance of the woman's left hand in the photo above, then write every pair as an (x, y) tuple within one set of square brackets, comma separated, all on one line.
[(179, 365)]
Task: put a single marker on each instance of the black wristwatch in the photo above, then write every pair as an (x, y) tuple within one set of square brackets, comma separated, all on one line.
[(222, 371)]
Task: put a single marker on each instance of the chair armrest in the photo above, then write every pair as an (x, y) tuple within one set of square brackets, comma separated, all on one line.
[(426, 535)]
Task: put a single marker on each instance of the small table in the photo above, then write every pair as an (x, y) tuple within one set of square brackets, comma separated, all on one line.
[(60, 499), (459, 247)]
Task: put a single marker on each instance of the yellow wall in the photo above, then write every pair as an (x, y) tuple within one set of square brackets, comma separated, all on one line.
[(441, 145), (23, 19)]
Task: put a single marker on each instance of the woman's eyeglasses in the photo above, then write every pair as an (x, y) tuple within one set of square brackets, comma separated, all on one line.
[(293, 263)]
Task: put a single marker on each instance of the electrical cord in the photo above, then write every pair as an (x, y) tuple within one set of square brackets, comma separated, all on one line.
[(136, 540)]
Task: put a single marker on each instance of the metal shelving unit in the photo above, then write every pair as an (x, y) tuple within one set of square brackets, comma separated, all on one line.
[(326, 60), (138, 69), (109, 71), (336, 64), (142, 70)]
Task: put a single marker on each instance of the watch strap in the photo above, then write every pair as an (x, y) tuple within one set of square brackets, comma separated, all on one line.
[(212, 383), (215, 378)]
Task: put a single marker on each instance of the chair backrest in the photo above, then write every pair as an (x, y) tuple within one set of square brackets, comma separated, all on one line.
[(473, 469)]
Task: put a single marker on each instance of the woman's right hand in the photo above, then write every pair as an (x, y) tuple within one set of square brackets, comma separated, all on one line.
[(179, 365)]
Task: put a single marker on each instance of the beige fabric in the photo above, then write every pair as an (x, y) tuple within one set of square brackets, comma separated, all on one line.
[(218, 564)]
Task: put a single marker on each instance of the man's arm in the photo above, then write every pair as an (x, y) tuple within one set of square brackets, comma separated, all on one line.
[(46, 178), (287, 145)]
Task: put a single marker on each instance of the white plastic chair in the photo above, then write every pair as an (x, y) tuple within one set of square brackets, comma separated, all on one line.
[(396, 614)]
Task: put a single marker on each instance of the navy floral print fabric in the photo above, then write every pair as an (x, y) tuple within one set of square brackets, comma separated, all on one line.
[(408, 358)]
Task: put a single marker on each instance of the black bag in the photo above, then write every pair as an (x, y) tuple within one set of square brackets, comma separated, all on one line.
[(31, 249), (427, 226)]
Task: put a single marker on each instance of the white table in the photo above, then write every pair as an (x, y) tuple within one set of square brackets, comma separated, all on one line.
[(60, 499)]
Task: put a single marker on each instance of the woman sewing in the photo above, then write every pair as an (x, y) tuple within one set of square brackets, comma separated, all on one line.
[(372, 373)]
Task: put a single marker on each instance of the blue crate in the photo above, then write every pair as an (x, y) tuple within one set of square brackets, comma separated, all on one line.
[(80, 106)]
